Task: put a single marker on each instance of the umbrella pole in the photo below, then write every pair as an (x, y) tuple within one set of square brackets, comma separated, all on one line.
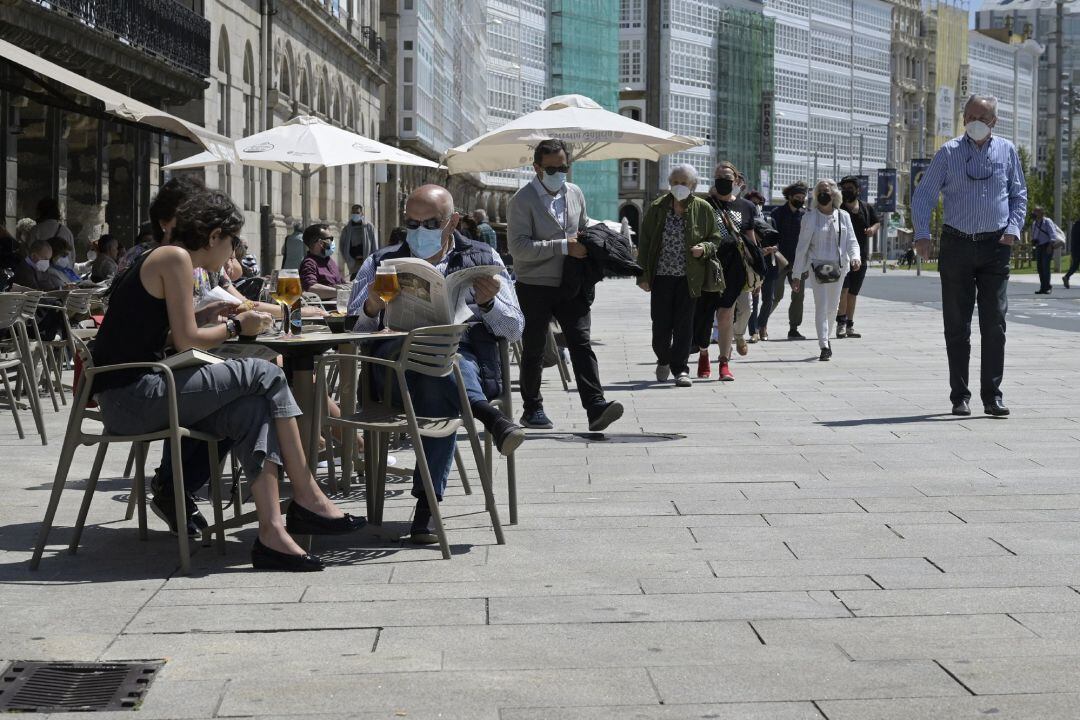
[(305, 192)]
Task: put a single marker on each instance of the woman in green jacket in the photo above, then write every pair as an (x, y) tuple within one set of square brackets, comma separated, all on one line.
[(678, 236)]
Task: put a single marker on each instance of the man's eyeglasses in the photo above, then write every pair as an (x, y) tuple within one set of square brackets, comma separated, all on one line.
[(982, 170), (429, 224), (559, 169)]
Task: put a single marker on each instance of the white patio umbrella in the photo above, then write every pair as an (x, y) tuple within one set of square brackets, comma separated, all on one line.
[(595, 133), (305, 145)]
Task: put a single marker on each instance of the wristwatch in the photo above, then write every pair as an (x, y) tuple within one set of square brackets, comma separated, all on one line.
[(487, 307), (232, 328)]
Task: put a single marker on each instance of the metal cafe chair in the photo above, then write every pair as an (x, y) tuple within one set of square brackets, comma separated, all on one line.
[(13, 359), (50, 373), (76, 435), (430, 351)]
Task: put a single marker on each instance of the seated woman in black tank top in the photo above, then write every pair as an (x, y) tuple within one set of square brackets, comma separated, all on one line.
[(247, 401)]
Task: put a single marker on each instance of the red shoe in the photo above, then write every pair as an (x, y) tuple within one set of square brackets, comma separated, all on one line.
[(704, 367), (725, 371)]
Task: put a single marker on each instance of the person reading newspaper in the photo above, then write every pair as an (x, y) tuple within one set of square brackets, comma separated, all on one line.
[(445, 278)]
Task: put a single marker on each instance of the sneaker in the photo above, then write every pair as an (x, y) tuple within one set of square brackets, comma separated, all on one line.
[(826, 354), (603, 415), (162, 505), (794, 334), (508, 435), (725, 371), (683, 380), (663, 372), (536, 419), (741, 346), (851, 331), (704, 367), (841, 330)]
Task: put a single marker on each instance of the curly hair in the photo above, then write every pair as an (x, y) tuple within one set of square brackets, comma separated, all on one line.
[(164, 206), (201, 214)]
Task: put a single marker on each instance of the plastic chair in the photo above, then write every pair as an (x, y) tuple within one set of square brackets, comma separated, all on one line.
[(50, 373), (505, 404), (76, 305), (13, 360), (77, 436), (430, 351)]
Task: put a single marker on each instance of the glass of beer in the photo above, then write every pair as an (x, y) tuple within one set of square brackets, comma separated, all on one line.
[(285, 290), (344, 292), (386, 283)]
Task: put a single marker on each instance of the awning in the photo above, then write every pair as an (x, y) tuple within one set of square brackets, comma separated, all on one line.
[(117, 104)]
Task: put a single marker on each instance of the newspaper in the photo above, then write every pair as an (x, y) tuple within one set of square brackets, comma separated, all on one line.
[(428, 297)]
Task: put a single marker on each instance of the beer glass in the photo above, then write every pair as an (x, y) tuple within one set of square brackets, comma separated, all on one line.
[(344, 292), (386, 283)]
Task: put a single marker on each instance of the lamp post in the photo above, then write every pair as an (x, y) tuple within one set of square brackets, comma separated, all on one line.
[(1059, 126)]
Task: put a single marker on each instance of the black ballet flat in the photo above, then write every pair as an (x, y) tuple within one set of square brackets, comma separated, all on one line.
[(301, 521), (263, 558)]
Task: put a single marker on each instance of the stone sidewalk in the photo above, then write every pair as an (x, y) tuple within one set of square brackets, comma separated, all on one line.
[(814, 540)]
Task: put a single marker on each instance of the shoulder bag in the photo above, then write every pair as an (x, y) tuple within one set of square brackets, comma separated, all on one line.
[(827, 272), (754, 265)]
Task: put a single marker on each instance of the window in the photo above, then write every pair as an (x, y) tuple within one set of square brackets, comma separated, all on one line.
[(630, 13), (631, 174), (630, 61), (692, 64), (791, 41)]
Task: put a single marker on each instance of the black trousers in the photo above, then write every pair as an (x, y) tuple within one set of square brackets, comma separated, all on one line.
[(1044, 254), (768, 296), (1074, 262), (195, 459), (672, 311), (540, 303), (974, 271), (704, 317)]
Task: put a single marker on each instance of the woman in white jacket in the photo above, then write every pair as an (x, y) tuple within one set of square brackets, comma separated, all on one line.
[(826, 241)]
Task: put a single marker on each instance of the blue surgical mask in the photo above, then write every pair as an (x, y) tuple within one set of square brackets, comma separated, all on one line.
[(423, 242), (553, 183), (357, 217), (328, 250)]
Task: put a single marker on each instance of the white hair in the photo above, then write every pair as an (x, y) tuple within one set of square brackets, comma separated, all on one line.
[(684, 172), (834, 191), (985, 99), (479, 215)]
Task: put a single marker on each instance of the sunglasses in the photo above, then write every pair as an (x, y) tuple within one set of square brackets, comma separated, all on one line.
[(559, 169), (429, 224), (982, 169), (327, 238)]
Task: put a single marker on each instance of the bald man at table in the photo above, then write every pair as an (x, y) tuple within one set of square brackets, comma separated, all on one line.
[(432, 236)]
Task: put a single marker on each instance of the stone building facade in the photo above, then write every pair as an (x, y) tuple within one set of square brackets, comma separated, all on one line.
[(272, 61)]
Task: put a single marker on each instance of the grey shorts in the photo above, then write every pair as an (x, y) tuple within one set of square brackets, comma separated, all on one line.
[(237, 399)]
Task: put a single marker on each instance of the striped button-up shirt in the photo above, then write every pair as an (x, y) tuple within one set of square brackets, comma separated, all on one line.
[(983, 188), (504, 319)]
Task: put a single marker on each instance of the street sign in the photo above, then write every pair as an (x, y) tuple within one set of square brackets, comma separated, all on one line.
[(886, 190), (864, 187), (918, 169), (766, 150)]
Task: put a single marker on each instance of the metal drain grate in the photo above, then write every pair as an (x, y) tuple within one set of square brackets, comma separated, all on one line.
[(75, 687)]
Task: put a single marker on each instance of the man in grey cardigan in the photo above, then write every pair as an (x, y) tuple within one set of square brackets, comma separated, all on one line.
[(545, 218)]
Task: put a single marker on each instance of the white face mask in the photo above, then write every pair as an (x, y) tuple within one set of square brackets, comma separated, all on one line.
[(64, 262), (41, 265), (680, 192), (977, 130), (91, 256)]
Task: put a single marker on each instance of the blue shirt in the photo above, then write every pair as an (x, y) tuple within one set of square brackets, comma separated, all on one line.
[(983, 188)]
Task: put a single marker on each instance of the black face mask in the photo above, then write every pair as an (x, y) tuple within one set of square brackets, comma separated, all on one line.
[(849, 195), (724, 185), (797, 203), (824, 198)]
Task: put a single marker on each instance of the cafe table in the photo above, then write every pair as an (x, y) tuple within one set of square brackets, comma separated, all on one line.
[(299, 352)]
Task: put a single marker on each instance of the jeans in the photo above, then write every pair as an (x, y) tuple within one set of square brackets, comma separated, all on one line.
[(540, 303), (826, 303), (672, 311), (795, 310), (768, 300), (974, 271), (1043, 255), (435, 397), (235, 399)]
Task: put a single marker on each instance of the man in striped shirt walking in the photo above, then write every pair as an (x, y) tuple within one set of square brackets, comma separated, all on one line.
[(985, 202)]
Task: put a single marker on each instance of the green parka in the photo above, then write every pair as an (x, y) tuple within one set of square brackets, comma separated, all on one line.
[(700, 229)]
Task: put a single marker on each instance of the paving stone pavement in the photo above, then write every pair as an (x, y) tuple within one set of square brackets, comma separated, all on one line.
[(813, 541)]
